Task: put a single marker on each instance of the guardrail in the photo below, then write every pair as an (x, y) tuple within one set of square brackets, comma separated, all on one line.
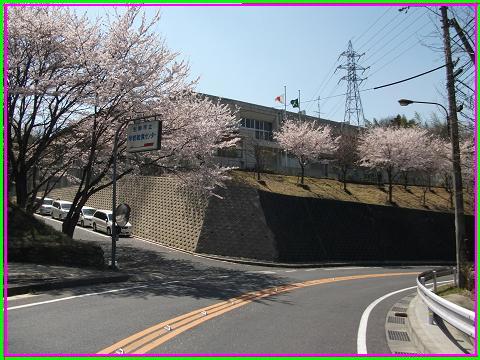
[(457, 316)]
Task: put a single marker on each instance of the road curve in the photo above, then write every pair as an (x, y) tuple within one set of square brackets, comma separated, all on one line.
[(180, 304)]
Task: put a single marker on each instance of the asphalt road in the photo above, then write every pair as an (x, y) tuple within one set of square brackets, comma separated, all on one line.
[(320, 315)]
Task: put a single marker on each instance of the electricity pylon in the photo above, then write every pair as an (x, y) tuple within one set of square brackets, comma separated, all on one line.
[(353, 102)]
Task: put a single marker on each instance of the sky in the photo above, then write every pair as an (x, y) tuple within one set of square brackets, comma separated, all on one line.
[(251, 53)]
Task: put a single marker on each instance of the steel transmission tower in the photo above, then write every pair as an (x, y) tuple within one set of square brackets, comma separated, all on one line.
[(353, 103)]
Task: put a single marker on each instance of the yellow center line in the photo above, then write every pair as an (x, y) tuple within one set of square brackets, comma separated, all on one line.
[(152, 337)]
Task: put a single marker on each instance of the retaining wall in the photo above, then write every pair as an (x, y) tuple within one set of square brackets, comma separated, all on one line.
[(250, 223)]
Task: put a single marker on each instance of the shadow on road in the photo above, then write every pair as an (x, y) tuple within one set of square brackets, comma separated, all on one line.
[(177, 277)]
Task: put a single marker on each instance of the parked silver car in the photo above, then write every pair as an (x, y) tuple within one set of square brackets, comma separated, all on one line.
[(45, 206), (102, 221), (60, 209), (86, 216)]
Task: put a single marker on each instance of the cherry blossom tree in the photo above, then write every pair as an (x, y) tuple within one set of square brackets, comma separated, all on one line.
[(467, 162), (346, 154), (306, 140), (431, 160), (128, 72), (392, 150), (45, 88)]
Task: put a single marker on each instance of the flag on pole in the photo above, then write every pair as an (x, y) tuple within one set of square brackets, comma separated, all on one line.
[(280, 99), (294, 103)]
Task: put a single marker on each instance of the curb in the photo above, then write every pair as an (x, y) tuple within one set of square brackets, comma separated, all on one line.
[(397, 333), (60, 284), (428, 338), (296, 265)]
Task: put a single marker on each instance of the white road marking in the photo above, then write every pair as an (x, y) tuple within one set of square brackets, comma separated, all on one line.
[(262, 272), (289, 271), (73, 297), (362, 327), (310, 269), (346, 268)]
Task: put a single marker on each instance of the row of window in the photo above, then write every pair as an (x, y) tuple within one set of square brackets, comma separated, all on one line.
[(263, 129)]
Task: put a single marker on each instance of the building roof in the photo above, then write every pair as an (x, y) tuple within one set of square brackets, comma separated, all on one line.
[(273, 111)]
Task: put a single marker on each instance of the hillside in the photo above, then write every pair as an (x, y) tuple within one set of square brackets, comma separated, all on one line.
[(436, 200), (31, 240)]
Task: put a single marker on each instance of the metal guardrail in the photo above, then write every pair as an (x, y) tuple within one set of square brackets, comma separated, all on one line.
[(457, 316)]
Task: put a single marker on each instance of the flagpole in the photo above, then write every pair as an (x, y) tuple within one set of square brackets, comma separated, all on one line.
[(298, 104), (285, 102)]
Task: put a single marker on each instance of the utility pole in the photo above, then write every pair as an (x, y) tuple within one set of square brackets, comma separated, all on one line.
[(463, 38), (457, 175)]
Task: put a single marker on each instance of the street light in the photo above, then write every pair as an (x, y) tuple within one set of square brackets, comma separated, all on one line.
[(457, 176), (406, 102)]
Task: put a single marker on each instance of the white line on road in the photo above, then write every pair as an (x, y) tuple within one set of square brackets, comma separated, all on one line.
[(261, 272), (347, 268), (311, 269), (362, 327), (289, 271), (73, 297)]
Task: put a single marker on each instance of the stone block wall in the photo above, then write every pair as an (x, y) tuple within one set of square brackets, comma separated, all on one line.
[(162, 210), (236, 226)]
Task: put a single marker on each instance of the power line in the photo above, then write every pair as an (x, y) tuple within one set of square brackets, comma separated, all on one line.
[(381, 16), (320, 87), (396, 57), (375, 35), (401, 43), (410, 78), (335, 108), (370, 55)]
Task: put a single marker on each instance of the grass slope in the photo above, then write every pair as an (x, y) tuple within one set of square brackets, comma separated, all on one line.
[(436, 200), (31, 240)]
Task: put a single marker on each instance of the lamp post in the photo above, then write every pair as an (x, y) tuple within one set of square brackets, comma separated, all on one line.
[(114, 231), (458, 193), (406, 102)]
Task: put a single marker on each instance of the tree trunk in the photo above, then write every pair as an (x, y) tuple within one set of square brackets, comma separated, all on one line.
[(405, 180), (303, 173), (344, 178), (21, 188), (68, 226), (390, 186), (70, 221)]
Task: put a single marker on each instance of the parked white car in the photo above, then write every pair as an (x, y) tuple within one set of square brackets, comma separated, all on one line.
[(102, 221), (46, 206), (86, 216), (60, 209)]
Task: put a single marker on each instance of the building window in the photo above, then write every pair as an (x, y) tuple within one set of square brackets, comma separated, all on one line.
[(263, 129), (229, 152)]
